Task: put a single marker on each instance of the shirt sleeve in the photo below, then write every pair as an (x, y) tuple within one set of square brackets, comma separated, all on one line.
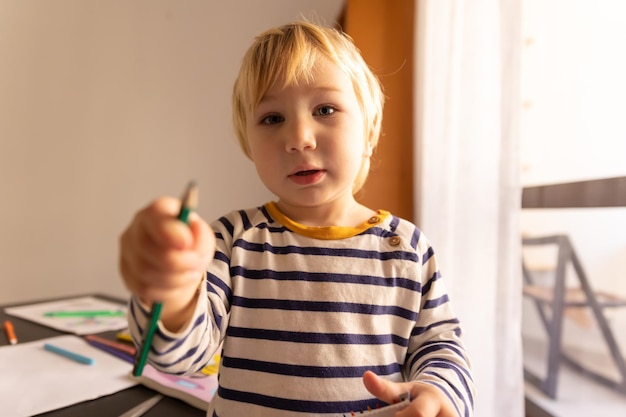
[(182, 352), (190, 349), (436, 352)]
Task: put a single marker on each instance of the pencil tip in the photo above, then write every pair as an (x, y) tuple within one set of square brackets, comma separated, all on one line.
[(191, 199)]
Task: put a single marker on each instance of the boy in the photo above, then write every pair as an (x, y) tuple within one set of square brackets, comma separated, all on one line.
[(321, 306)]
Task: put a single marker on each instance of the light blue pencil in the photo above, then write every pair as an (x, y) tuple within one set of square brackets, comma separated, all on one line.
[(70, 355)]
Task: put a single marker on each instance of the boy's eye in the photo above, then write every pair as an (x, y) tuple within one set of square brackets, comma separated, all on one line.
[(325, 110), (271, 119)]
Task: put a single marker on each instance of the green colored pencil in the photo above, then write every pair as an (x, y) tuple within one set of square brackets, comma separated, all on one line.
[(140, 360), (189, 203)]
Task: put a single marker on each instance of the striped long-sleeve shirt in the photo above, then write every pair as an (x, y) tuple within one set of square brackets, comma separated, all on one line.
[(300, 313)]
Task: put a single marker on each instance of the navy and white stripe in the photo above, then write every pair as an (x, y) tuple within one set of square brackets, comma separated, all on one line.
[(300, 318)]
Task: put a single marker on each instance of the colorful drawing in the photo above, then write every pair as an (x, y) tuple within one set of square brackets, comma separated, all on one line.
[(196, 390), (41, 313)]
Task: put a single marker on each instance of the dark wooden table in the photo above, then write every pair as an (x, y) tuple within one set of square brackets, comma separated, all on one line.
[(108, 406)]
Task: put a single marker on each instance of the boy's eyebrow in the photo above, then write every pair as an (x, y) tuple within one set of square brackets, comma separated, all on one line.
[(268, 97)]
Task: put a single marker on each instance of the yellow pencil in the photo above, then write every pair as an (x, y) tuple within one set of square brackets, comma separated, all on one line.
[(124, 336)]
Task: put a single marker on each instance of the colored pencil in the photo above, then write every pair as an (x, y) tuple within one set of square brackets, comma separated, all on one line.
[(123, 347), (10, 331), (189, 203), (142, 408), (68, 354), (124, 336), (111, 350)]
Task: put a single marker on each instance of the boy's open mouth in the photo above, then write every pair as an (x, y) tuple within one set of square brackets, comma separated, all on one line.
[(308, 172)]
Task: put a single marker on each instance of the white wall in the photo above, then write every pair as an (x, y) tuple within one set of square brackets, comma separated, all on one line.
[(105, 105), (573, 127), (574, 88)]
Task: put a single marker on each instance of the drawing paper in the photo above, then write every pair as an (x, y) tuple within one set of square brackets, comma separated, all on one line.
[(35, 381), (77, 325)]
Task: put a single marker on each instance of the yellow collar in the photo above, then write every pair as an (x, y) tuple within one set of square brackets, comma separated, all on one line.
[(325, 232)]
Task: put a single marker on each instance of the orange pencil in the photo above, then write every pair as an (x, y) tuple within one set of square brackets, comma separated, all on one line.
[(10, 331)]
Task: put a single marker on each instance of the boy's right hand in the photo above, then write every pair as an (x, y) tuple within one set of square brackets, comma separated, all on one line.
[(163, 259)]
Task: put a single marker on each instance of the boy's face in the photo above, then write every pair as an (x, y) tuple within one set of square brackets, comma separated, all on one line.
[(307, 141)]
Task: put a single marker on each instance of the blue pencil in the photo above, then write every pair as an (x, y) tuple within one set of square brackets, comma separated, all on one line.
[(70, 355)]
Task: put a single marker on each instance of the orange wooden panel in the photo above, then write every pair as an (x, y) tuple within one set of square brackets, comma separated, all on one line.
[(383, 31)]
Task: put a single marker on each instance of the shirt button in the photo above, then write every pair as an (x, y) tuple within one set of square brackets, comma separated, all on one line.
[(394, 240), (373, 220)]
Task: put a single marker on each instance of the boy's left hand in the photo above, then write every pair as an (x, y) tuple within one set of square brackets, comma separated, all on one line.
[(427, 400)]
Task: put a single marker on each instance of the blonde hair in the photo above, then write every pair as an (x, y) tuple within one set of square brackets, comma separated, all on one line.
[(286, 55)]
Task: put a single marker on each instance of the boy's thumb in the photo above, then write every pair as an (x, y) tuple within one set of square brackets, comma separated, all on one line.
[(381, 388)]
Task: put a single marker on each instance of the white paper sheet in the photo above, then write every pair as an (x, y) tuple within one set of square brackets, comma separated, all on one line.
[(76, 325), (33, 380)]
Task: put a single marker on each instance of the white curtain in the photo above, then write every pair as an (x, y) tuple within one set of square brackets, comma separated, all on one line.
[(467, 181)]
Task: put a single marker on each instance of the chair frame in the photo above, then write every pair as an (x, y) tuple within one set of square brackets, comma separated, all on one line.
[(554, 324)]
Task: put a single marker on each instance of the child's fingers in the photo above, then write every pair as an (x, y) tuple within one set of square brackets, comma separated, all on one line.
[(204, 239), (152, 278), (159, 253), (422, 406), (150, 292), (157, 240), (160, 223), (383, 389), (428, 401), (155, 260), (162, 266)]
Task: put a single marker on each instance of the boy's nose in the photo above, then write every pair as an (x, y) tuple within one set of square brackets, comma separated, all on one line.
[(301, 136)]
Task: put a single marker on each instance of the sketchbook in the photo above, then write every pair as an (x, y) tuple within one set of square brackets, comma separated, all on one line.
[(196, 390), (77, 325)]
